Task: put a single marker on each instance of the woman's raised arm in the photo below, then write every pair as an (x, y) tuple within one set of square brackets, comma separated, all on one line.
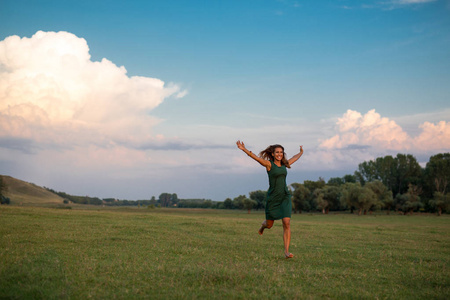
[(262, 162), (296, 156)]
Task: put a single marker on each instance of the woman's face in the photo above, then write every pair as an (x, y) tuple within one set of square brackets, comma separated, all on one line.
[(278, 154)]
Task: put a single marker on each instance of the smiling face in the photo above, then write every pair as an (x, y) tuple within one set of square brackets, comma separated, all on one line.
[(278, 154)]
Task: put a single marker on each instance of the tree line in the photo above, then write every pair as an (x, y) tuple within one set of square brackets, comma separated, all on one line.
[(386, 183)]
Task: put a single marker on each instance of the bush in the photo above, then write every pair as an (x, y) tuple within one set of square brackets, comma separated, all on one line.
[(63, 207), (5, 200)]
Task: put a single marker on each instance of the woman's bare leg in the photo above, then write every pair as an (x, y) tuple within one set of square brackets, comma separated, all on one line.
[(287, 236), (266, 224)]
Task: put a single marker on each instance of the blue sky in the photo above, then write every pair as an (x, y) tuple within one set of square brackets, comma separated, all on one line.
[(348, 80)]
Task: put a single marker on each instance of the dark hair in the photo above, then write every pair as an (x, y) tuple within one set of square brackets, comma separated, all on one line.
[(269, 153)]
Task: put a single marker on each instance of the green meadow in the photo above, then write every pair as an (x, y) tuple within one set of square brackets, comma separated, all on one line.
[(103, 253)]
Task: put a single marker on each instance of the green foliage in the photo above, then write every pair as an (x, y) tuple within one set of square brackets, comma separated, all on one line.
[(410, 201), (338, 181), (238, 202), (356, 196), (228, 203), (313, 185), (300, 198), (78, 199), (327, 198), (195, 203), (349, 178), (304, 195), (260, 197), (3, 189), (2, 186), (248, 204), (167, 199), (335, 181), (396, 173), (437, 173), (4, 200), (384, 195), (441, 202)]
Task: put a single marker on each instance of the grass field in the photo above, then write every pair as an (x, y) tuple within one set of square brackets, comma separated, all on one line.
[(49, 253)]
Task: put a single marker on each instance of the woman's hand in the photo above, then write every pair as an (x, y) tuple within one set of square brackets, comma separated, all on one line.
[(263, 162), (296, 156), (240, 145)]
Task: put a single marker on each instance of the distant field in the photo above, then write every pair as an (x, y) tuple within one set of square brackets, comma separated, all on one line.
[(50, 253)]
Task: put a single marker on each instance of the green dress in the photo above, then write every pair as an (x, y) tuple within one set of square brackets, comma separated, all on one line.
[(278, 199)]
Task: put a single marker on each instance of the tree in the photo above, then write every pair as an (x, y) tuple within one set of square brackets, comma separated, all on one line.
[(300, 197), (441, 202), (409, 201), (238, 202), (166, 199), (349, 195), (321, 203), (386, 168), (332, 195), (336, 181), (260, 197), (313, 185), (349, 178), (396, 173), (327, 198), (366, 200), (356, 196), (383, 194), (248, 204), (437, 172), (228, 203), (408, 171), (366, 172)]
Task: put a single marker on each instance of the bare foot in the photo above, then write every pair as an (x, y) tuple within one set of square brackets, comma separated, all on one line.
[(288, 255), (261, 230), (263, 226)]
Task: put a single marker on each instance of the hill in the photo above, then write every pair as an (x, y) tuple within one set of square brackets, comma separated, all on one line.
[(21, 192)]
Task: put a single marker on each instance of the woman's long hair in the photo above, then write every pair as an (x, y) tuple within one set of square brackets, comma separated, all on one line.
[(269, 153)]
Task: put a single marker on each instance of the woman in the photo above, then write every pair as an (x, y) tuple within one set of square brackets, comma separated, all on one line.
[(278, 200)]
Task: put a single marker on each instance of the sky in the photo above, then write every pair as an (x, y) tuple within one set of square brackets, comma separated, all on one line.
[(131, 99)]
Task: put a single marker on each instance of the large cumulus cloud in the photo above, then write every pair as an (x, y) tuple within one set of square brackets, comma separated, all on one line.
[(53, 94)]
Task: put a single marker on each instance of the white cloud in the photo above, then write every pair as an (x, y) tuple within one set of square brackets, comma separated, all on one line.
[(412, 1), (51, 93), (373, 131), (362, 137), (393, 4), (366, 130), (434, 137)]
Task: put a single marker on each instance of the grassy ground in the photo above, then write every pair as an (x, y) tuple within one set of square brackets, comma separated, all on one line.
[(51, 253), (25, 193)]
